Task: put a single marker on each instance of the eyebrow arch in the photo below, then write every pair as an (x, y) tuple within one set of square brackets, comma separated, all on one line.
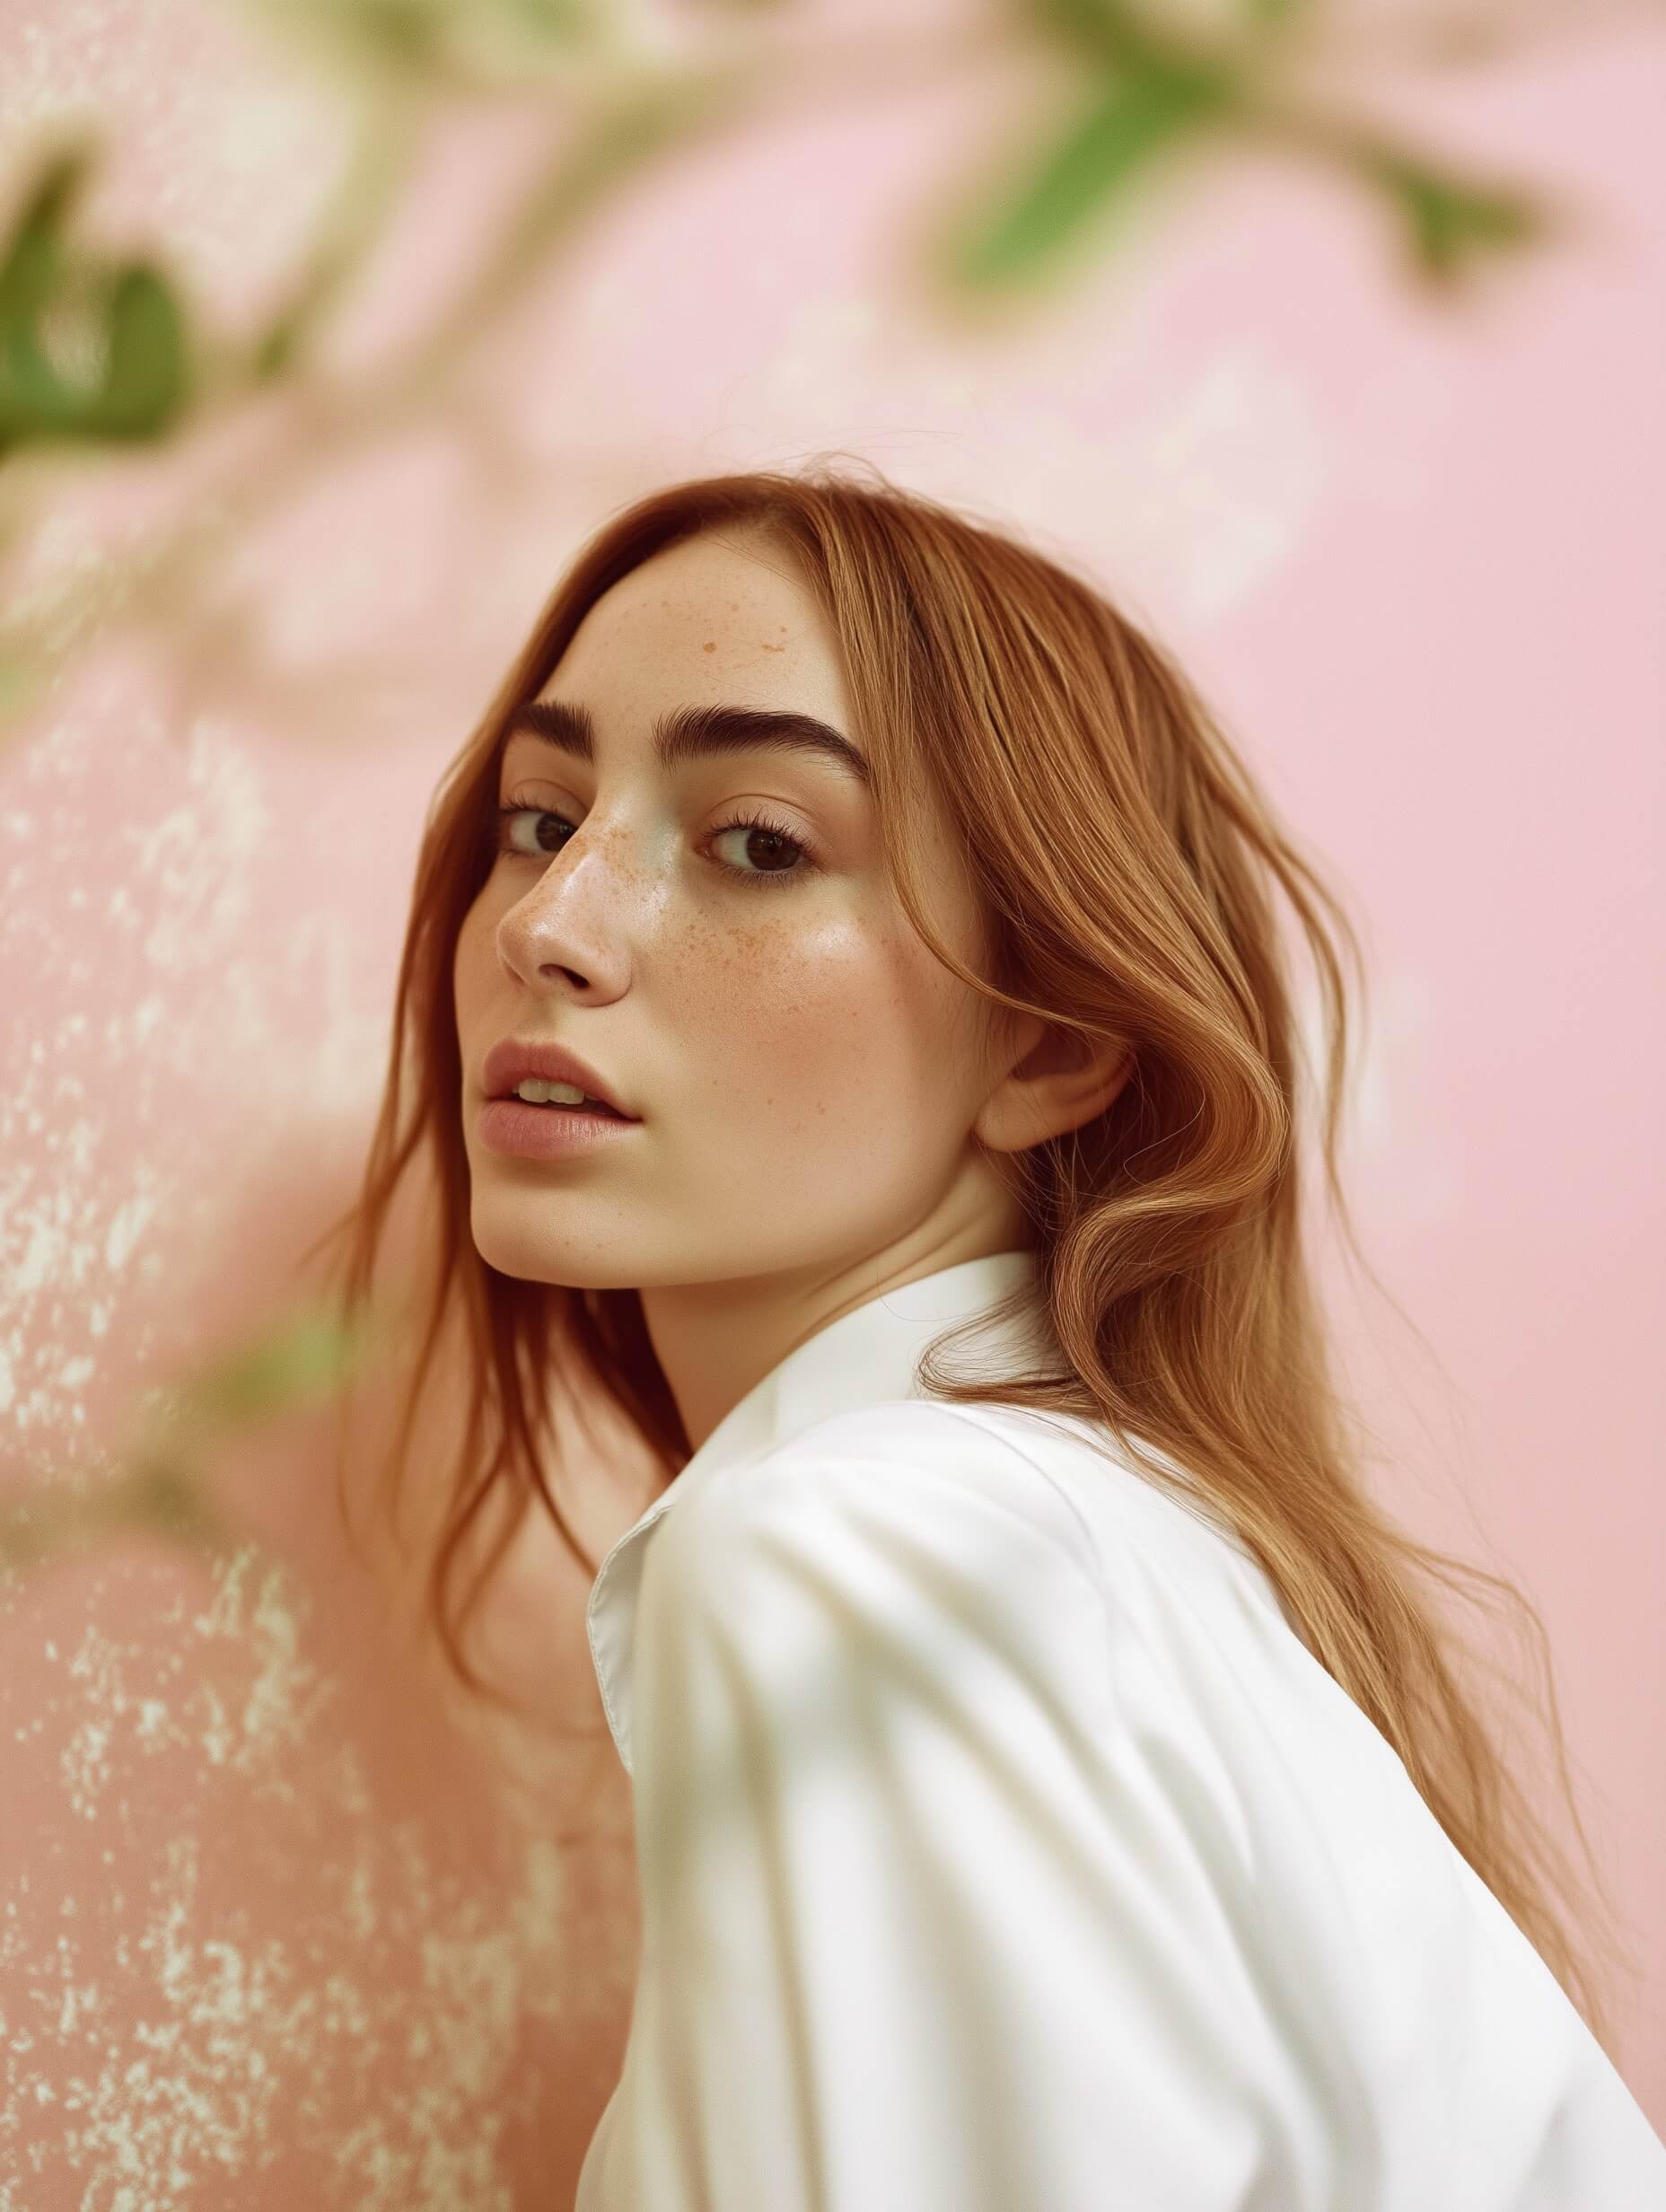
[(695, 733)]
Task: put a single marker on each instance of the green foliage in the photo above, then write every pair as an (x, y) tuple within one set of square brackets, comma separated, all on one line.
[(434, 45), (125, 315), (1452, 223), (1145, 113), (162, 1484), (1109, 32), (409, 33), (155, 1491), (1114, 31), (303, 1358), (95, 350)]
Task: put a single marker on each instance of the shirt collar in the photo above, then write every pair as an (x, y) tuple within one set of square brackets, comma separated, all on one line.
[(867, 1357)]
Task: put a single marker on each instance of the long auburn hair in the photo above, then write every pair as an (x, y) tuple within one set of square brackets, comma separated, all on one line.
[(1127, 866)]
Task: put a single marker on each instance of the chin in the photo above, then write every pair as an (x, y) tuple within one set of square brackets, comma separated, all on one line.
[(507, 1237)]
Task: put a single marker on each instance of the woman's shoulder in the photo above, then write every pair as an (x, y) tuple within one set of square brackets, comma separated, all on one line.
[(1061, 1478), (906, 1461)]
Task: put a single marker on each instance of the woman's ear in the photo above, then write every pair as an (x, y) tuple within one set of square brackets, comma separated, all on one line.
[(1061, 1080)]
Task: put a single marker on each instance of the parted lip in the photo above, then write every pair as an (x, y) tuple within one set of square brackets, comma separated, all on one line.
[(512, 1059)]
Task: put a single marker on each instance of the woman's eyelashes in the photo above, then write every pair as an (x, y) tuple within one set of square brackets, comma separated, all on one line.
[(759, 827), (774, 835)]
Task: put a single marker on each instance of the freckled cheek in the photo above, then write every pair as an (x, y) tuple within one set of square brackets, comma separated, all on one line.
[(772, 984), (818, 1022)]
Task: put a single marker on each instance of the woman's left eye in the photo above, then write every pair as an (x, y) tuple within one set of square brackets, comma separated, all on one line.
[(773, 835)]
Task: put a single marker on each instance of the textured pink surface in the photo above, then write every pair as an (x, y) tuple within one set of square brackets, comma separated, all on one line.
[(277, 1931)]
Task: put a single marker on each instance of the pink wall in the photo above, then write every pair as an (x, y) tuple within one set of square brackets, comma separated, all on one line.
[(284, 1924)]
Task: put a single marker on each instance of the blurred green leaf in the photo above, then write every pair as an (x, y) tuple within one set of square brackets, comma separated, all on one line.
[(1111, 32), (1449, 221), (138, 332), (161, 1494), (560, 18), (439, 45), (34, 259), (305, 1357), (409, 32), (145, 376), (163, 1484), (65, 1515), (274, 351), (1147, 114)]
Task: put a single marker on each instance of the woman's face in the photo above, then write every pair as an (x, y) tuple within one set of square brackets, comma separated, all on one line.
[(806, 1077)]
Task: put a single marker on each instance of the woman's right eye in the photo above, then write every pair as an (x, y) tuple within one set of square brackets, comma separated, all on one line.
[(506, 816)]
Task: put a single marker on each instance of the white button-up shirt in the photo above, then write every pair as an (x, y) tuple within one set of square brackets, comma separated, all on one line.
[(1003, 1848)]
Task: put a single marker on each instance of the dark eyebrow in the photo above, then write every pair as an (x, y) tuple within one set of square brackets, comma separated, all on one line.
[(695, 733)]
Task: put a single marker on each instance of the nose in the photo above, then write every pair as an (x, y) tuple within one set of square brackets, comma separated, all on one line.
[(566, 928)]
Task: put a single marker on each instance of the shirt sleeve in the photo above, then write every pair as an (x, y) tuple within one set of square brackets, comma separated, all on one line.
[(926, 1924)]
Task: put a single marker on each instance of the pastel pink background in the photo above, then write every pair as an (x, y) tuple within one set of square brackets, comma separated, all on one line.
[(283, 1923)]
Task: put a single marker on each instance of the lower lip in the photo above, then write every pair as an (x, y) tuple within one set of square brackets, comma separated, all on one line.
[(509, 1125)]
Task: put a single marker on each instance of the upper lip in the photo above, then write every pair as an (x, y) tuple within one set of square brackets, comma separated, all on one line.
[(513, 1058)]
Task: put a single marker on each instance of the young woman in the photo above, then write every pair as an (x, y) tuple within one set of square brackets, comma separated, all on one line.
[(845, 1010)]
